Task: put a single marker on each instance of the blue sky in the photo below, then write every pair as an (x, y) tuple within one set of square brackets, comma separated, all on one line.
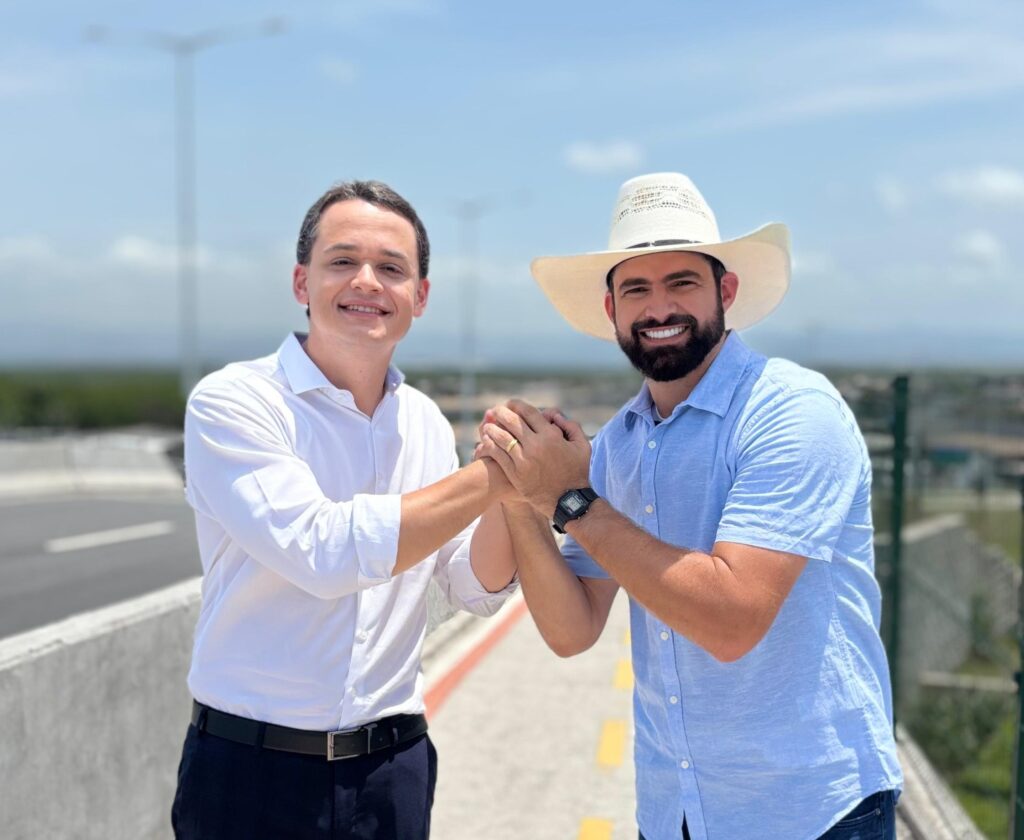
[(887, 135)]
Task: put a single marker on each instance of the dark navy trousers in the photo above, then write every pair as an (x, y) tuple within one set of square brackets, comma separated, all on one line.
[(228, 790)]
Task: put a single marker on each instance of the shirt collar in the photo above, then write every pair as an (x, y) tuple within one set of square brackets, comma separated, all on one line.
[(639, 406), (303, 374), (714, 391)]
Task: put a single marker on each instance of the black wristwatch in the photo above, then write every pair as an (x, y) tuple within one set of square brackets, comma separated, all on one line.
[(572, 505)]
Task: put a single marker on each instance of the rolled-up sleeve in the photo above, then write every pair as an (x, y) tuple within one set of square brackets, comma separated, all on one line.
[(243, 473), (454, 573)]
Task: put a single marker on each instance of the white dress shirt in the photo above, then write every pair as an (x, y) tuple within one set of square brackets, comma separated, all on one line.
[(296, 495)]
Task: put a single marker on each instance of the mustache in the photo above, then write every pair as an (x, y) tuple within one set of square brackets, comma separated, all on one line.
[(671, 321)]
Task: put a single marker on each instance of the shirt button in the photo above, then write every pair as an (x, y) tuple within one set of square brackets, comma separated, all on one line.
[(649, 509), (664, 636), (651, 444), (361, 636), (673, 699), (684, 764)]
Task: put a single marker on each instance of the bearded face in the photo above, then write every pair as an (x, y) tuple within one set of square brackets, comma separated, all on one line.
[(668, 362)]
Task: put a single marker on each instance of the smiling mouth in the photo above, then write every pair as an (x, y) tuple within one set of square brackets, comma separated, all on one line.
[(659, 333), (362, 309)]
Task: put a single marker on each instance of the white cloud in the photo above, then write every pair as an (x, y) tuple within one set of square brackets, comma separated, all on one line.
[(908, 69), (142, 254), (72, 286), (857, 98), (991, 185), (452, 270), (893, 195), (999, 12), (810, 263), (37, 70), (339, 70), (37, 256), (18, 250), (600, 158), (981, 247)]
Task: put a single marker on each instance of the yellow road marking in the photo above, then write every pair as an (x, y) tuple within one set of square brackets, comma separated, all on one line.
[(613, 743), (624, 675), (592, 829)]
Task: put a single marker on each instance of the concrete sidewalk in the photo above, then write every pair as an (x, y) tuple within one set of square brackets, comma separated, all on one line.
[(534, 746)]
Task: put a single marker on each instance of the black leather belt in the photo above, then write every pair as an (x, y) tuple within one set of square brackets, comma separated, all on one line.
[(347, 743)]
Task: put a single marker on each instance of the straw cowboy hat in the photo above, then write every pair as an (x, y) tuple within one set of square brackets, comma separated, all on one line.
[(666, 212)]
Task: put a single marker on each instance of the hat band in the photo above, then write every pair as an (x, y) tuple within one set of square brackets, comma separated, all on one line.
[(657, 243)]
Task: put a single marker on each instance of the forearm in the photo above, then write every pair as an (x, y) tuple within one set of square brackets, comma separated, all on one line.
[(560, 604), (695, 593), (433, 515), (491, 554)]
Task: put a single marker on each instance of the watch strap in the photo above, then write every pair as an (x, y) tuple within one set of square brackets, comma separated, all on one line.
[(564, 515)]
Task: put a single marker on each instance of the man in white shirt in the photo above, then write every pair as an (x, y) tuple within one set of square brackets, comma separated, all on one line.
[(327, 496)]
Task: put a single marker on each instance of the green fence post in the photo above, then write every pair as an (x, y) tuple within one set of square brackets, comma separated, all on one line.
[(1017, 812), (900, 394)]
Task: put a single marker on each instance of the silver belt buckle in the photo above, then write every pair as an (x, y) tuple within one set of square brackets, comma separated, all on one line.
[(331, 756)]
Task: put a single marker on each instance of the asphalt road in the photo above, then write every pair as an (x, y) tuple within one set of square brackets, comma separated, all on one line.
[(64, 555)]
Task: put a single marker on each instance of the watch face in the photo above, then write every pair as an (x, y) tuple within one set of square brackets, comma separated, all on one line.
[(573, 502)]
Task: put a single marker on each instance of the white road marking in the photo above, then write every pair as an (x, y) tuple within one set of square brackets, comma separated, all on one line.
[(116, 535)]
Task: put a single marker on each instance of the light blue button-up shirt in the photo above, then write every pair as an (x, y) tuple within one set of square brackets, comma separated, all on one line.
[(790, 737)]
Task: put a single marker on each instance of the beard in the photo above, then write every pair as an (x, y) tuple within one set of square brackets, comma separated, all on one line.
[(664, 364)]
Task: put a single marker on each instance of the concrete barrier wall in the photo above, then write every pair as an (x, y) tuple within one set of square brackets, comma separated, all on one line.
[(93, 711), (946, 572), (75, 462)]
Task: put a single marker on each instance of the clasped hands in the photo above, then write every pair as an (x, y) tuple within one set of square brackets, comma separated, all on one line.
[(542, 453)]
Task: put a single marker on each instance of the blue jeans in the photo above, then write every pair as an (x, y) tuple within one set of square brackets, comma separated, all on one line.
[(873, 819)]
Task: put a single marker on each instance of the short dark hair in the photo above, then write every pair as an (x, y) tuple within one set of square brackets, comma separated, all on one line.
[(372, 192), (718, 270)]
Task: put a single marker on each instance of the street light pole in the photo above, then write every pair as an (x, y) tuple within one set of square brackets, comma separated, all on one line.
[(184, 48), (188, 252), (469, 213)]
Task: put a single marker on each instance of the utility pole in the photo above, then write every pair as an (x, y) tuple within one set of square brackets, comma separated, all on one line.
[(469, 213), (184, 48), (901, 406)]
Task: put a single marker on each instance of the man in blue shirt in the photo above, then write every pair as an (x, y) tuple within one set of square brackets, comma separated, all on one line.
[(731, 500)]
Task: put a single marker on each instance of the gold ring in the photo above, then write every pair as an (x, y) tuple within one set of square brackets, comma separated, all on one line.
[(512, 444)]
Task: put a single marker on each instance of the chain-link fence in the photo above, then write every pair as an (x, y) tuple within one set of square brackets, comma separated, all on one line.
[(948, 452)]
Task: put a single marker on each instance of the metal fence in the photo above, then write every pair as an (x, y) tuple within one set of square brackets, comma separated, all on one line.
[(947, 451)]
